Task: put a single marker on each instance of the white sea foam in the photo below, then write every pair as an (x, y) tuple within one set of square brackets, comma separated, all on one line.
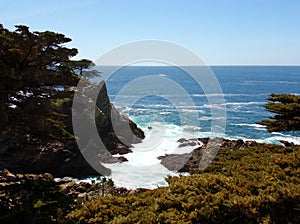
[(165, 112), (199, 95), (193, 111), (276, 139), (251, 82), (244, 103), (270, 140), (209, 118), (227, 95), (143, 168), (255, 126)]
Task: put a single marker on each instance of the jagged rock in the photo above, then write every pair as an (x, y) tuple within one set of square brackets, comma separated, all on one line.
[(182, 140), (189, 142), (122, 159), (110, 120), (69, 187), (24, 154), (185, 162), (286, 143), (121, 150), (204, 140), (175, 162)]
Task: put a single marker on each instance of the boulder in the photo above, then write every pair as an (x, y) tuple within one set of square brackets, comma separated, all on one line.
[(188, 161)]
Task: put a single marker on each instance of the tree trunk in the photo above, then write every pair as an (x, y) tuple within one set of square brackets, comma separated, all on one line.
[(3, 109)]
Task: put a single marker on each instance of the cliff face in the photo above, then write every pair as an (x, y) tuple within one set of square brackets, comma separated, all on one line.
[(112, 122), (62, 157)]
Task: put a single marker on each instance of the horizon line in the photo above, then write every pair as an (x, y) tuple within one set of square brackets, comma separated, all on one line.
[(214, 65)]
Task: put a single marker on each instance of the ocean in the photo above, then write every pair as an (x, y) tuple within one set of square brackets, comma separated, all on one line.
[(160, 99)]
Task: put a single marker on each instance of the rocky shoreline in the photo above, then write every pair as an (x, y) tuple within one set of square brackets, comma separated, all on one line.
[(173, 162), (186, 162), (83, 191), (33, 191)]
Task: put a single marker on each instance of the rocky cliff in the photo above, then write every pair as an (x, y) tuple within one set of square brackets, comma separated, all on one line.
[(112, 125), (22, 152)]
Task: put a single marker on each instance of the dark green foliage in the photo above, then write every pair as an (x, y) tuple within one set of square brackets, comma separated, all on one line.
[(37, 77), (34, 201), (287, 110), (256, 185)]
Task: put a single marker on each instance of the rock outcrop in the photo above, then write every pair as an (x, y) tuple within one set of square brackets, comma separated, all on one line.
[(116, 129), (187, 161), (21, 152)]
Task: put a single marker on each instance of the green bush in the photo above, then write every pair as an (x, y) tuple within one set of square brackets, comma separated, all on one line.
[(34, 201), (255, 185)]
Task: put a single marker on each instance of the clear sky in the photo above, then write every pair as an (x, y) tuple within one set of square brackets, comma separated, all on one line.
[(221, 32)]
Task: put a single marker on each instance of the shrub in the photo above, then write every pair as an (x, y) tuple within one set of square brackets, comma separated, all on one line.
[(256, 185)]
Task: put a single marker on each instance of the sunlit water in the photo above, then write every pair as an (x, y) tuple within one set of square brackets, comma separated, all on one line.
[(245, 90)]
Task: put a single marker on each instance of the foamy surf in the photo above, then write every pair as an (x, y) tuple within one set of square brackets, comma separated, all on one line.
[(143, 168)]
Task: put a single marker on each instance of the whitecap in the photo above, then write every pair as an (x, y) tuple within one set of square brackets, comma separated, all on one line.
[(255, 126)]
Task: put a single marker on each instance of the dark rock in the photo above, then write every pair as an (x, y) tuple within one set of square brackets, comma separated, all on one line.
[(22, 153), (286, 143), (79, 167), (186, 162), (182, 140), (192, 143), (109, 119), (67, 187), (251, 143), (120, 149), (175, 162), (122, 159), (189, 142), (204, 140)]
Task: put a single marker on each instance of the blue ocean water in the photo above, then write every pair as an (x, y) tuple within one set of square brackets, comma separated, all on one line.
[(245, 89), (158, 97)]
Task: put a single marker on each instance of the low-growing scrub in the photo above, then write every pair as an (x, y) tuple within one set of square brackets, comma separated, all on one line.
[(259, 184), (33, 201)]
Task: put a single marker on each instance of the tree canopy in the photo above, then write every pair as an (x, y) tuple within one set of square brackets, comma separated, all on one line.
[(36, 74), (287, 110), (35, 65)]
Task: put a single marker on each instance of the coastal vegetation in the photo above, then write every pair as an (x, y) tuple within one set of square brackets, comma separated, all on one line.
[(256, 183), (259, 184), (37, 83), (287, 113), (37, 77)]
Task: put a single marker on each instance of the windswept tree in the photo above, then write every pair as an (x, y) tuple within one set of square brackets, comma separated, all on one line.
[(36, 72), (287, 113)]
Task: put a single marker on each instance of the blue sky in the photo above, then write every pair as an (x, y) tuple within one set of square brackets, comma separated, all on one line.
[(221, 32)]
